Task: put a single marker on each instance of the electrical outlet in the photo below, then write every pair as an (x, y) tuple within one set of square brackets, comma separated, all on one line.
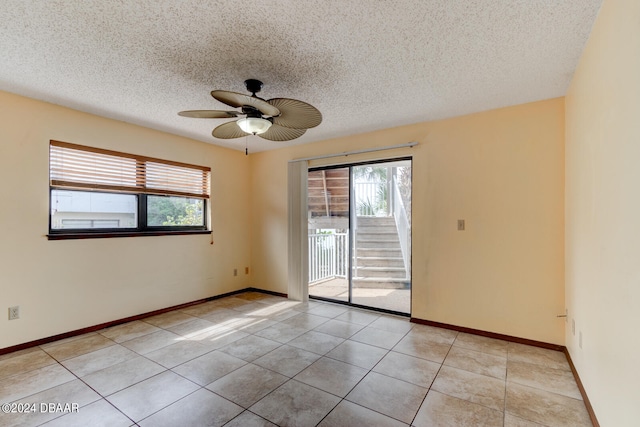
[(461, 225), (14, 312), (235, 271), (573, 326), (246, 270)]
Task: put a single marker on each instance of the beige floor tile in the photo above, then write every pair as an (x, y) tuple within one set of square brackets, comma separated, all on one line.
[(97, 414), (544, 407), (408, 368), (209, 367), (352, 415), (478, 362), (539, 356), (249, 308), (389, 396), (250, 348), (305, 321), (476, 388), (287, 360), (307, 306), (431, 333), (377, 337), (280, 313), (223, 316), (151, 342), (328, 310), (67, 340), (316, 342), (128, 331), (255, 324), (556, 381), (268, 299), (77, 347), (513, 421), (178, 353), (440, 410), (417, 346), (75, 391), (249, 419), (332, 376), (99, 359), (122, 375), (72, 392), (238, 322), (482, 344), (202, 309), (196, 326), (358, 317), (202, 408), (295, 404), (281, 332), (20, 353), (214, 340), (392, 324), (339, 328), (149, 396), (358, 354), (247, 384), (27, 383), (169, 319), (230, 302), (25, 362), (253, 296)]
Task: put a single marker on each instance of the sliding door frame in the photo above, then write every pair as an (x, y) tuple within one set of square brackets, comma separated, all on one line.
[(352, 212)]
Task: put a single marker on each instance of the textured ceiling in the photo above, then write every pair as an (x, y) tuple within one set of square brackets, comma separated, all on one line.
[(365, 64)]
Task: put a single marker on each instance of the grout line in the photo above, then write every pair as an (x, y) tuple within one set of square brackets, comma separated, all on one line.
[(94, 390), (434, 378)]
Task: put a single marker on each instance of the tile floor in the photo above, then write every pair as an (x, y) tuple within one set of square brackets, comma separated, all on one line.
[(259, 360)]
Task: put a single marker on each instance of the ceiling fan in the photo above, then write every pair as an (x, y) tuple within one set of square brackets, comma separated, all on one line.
[(276, 119)]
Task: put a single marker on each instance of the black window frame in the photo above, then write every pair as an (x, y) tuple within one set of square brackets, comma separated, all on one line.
[(142, 228)]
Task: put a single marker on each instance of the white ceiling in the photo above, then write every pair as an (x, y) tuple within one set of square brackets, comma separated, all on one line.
[(365, 64)]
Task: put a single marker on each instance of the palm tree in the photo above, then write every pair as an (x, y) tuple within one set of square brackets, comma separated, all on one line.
[(372, 175)]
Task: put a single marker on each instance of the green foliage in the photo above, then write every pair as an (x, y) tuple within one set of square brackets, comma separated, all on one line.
[(370, 173), (192, 216), (404, 185), (376, 175), (174, 211)]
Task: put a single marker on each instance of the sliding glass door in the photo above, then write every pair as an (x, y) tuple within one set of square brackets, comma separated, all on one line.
[(360, 234), (328, 213)]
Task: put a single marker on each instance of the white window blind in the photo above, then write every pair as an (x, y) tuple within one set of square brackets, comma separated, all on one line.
[(81, 167)]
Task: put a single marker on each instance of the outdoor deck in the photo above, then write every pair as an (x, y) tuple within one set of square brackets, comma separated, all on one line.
[(388, 299)]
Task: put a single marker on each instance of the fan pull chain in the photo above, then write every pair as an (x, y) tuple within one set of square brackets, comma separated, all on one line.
[(246, 145)]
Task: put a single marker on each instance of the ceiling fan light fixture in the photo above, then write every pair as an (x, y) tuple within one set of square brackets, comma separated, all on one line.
[(254, 125)]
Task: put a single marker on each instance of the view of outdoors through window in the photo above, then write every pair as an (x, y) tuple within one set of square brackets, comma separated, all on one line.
[(93, 210), (174, 211), (360, 234), (85, 209)]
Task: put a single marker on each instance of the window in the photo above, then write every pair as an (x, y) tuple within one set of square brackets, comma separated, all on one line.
[(102, 193)]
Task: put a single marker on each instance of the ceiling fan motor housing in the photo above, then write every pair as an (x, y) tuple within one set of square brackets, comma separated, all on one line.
[(254, 86)]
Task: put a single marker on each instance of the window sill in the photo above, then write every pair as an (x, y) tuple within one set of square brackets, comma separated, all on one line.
[(98, 235)]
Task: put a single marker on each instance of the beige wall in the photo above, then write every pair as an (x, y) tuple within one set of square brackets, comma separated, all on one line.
[(502, 171), (65, 285), (602, 212)]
